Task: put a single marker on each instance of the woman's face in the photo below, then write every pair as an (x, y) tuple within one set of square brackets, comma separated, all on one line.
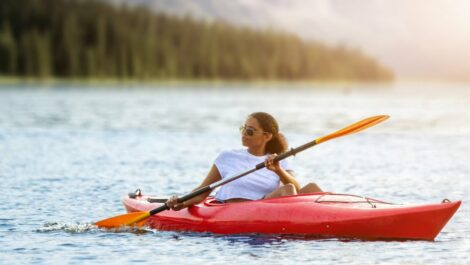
[(253, 135)]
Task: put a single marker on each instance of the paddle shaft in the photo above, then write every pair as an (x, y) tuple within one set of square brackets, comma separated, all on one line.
[(221, 182), (138, 217), (359, 126)]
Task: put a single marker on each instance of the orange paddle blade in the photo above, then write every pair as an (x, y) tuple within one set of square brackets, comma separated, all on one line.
[(124, 220), (354, 128)]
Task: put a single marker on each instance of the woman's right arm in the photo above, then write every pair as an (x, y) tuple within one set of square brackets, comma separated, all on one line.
[(211, 177)]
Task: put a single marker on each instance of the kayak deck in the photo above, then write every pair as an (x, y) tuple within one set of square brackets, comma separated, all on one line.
[(317, 214)]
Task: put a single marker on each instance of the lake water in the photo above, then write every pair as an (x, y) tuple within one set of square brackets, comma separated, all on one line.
[(69, 153)]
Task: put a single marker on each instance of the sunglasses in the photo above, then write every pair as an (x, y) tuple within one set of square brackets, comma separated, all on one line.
[(249, 131)]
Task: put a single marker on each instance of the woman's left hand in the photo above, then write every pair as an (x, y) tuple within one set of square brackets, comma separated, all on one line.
[(270, 164)]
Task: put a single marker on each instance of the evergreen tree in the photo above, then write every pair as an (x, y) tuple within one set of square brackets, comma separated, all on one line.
[(8, 53), (89, 38)]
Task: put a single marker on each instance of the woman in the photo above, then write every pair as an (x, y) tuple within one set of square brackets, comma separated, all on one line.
[(261, 136)]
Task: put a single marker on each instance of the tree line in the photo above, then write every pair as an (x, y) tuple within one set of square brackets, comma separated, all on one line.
[(94, 39)]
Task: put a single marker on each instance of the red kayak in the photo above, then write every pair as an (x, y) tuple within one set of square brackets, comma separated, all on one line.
[(318, 214)]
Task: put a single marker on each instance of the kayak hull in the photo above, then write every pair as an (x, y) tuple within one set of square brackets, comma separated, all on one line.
[(317, 214)]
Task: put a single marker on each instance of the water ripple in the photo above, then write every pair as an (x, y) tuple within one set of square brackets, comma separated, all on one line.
[(69, 155)]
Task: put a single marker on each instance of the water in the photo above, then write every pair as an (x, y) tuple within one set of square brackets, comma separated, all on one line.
[(69, 153)]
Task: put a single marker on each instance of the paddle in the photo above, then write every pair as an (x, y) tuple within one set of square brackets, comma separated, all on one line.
[(139, 217)]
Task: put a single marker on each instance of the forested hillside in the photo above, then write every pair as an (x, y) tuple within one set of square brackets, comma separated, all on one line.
[(92, 39)]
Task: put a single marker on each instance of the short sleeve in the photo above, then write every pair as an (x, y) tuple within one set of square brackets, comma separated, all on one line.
[(221, 162)]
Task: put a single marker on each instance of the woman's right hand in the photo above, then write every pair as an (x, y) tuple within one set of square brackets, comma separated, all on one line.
[(173, 204), (271, 165)]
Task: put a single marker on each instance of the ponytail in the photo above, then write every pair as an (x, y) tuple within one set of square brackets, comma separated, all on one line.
[(278, 143)]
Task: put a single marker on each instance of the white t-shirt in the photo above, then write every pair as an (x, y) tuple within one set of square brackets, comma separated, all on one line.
[(253, 186)]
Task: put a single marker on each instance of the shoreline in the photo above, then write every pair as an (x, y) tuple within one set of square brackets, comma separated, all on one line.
[(104, 82)]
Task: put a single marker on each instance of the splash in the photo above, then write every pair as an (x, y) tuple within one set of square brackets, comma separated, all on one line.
[(78, 227), (69, 228)]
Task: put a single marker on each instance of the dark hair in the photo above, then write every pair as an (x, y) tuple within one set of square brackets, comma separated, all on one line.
[(277, 144)]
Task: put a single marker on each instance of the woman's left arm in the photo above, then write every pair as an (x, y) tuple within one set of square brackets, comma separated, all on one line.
[(285, 176)]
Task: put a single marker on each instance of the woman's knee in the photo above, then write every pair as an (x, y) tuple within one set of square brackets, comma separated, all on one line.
[(285, 190), (310, 187), (289, 189)]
